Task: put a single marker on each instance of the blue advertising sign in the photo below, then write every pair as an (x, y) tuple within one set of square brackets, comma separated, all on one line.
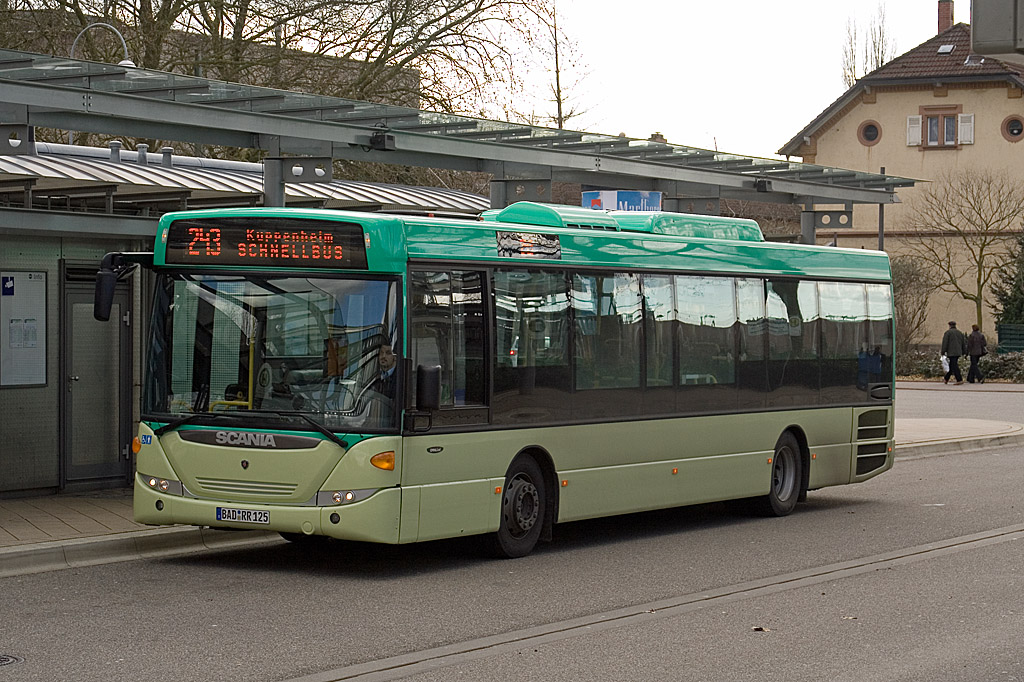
[(622, 200)]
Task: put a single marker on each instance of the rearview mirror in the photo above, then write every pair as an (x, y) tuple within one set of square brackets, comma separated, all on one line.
[(106, 282), (428, 387)]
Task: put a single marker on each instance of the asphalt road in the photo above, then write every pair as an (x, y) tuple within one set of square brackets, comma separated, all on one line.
[(915, 575), (846, 588), (999, 402)]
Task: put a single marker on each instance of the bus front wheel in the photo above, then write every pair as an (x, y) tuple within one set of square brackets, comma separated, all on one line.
[(523, 503), (786, 477)]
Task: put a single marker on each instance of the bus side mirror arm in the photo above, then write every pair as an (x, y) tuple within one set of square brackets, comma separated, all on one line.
[(114, 267)]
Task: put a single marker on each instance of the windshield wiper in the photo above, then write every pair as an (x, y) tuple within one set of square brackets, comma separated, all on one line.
[(331, 436), (188, 419)]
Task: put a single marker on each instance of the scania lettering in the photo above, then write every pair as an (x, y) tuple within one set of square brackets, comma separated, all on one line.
[(260, 440)]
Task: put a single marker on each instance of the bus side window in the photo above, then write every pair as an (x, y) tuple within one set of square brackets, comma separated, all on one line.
[(446, 313), (533, 384)]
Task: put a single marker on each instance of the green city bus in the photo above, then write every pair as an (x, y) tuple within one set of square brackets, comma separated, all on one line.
[(395, 379)]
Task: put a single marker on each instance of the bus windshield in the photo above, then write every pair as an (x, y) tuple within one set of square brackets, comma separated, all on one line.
[(295, 348)]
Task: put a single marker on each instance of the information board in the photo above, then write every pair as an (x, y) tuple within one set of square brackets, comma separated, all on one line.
[(22, 328)]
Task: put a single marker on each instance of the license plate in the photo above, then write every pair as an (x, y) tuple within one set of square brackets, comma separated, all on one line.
[(242, 515)]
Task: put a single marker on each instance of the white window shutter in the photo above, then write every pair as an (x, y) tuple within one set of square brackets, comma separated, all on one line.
[(965, 125), (913, 131)]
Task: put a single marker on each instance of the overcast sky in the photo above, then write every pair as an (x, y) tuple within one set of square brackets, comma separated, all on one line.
[(745, 75)]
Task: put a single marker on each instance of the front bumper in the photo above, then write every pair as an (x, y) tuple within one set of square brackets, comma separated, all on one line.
[(375, 519)]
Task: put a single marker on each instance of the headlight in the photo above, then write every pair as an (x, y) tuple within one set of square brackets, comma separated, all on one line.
[(328, 498), (164, 485)]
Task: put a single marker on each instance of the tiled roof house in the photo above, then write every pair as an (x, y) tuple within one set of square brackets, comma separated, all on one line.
[(934, 108)]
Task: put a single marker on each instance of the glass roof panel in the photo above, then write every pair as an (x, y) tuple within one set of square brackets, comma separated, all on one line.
[(24, 66)]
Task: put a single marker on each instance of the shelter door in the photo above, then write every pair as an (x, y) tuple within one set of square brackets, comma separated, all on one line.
[(96, 388)]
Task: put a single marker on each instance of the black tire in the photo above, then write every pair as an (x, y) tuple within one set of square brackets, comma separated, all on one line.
[(523, 506), (303, 539), (786, 477)]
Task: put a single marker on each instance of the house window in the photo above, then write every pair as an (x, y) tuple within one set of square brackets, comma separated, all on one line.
[(1013, 128), (941, 131), (869, 133), (940, 128)]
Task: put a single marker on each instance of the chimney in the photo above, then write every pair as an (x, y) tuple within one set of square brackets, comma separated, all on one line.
[(945, 15), (115, 150), (142, 150)]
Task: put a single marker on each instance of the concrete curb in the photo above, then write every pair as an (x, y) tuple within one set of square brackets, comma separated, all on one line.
[(958, 446), (161, 542)]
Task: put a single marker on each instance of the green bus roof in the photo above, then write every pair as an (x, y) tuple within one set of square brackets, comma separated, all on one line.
[(638, 242)]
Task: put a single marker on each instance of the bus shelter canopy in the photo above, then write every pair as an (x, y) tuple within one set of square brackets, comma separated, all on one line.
[(47, 91)]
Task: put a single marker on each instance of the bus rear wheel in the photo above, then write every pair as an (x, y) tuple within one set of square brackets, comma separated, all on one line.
[(786, 477), (523, 504)]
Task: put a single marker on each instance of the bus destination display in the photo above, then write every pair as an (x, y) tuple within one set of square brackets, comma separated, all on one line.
[(285, 242)]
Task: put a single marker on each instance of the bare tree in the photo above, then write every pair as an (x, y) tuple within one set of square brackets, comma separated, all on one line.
[(912, 284), (878, 49), (850, 72), (435, 53), (555, 56), (964, 226)]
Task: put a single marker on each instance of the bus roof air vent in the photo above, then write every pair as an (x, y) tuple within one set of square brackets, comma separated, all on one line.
[(686, 225), (552, 215)]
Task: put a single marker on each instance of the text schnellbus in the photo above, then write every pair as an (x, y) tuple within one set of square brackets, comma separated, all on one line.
[(301, 244)]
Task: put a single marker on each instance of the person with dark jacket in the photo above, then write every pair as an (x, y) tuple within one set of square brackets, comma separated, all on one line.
[(954, 344), (976, 348)]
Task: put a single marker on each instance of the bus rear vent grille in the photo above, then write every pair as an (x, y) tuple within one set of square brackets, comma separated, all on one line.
[(580, 226), (873, 425), (220, 485), (871, 456)]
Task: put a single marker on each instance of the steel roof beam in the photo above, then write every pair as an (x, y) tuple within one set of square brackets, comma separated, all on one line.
[(105, 112)]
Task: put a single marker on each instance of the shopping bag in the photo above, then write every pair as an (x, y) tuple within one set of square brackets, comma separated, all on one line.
[(945, 363)]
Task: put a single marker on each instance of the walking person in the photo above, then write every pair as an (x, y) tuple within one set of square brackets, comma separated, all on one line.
[(954, 344), (976, 347)]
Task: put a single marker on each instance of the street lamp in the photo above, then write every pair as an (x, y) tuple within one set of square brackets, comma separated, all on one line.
[(124, 62)]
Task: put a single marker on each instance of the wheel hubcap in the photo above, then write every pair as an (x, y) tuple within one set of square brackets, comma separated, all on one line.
[(521, 506), (783, 480)]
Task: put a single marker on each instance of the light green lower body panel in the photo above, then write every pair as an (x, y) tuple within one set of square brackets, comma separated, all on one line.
[(451, 509), (632, 488), (606, 469), (375, 519)]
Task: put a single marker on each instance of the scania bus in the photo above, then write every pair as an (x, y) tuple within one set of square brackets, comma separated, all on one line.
[(394, 379)]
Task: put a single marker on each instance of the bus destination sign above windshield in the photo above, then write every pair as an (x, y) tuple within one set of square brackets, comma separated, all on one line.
[(529, 245), (272, 242)]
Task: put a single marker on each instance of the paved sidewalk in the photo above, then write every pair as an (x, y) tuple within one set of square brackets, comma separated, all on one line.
[(59, 531)]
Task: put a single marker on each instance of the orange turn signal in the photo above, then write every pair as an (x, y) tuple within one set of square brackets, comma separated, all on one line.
[(384, 460), (136, 445)]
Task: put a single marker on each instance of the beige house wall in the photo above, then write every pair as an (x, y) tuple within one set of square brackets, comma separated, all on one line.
[(836, 144)]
